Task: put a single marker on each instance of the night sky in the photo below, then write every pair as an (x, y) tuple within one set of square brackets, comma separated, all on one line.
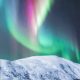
[(63, 20)]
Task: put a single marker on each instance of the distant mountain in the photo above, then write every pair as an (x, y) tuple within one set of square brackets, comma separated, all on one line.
[(39, 68)]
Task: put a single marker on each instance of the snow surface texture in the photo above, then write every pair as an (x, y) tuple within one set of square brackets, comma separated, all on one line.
[(39, 68)]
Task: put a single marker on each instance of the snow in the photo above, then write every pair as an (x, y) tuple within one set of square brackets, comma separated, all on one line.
[(39, 68)]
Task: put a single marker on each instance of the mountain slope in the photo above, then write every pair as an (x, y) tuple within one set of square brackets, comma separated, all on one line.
[(39, 68)]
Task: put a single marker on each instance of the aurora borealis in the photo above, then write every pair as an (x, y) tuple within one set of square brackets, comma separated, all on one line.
[(26, 22)]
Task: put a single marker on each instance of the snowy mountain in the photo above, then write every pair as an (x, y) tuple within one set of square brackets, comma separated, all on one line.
[(39, 68)]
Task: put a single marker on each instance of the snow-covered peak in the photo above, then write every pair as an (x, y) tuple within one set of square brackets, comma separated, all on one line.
[(39, 68)]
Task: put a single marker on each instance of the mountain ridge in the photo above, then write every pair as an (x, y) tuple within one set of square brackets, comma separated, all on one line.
[(39, 68)]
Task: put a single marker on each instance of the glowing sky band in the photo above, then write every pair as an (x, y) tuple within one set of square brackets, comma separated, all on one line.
[(36, 20), (12, 22)]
